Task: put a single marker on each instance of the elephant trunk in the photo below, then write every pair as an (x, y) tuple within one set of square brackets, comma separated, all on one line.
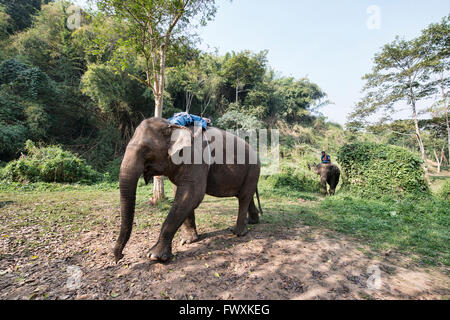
[(130, 171)]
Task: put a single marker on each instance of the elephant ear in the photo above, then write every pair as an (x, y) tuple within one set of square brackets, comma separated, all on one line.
[(180, 138)]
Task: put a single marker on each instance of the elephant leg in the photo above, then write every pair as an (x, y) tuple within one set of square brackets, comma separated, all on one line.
[(323, 184), (186, 200), (332, 183), (253, 213), (190, 230), (174, 190), (241, 223)]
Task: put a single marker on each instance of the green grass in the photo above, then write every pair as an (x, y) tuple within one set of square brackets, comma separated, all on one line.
[(417, 226), (414, 226)]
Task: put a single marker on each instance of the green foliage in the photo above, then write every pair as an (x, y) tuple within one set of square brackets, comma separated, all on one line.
[(240, 81), (408, 71), (402, 133), (300, 142), (40, 96), (121, 99), (48, 44), (236, 120), (48, 164), (80, 88), (12, 138), (13, 129), (296, 97), (293, 178), (112, 170), (400, 73), (242, 71), (29, 82), (25, 93), (20, 13), (416, 225), (4, 23), (444, 191), (376, 170)]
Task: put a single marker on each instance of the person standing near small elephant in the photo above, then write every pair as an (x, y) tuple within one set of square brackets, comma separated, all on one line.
[(329, 174), (325, 158)]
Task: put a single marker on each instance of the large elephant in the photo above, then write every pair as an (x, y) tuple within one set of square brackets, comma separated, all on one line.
[(329, 173), (151, 152)]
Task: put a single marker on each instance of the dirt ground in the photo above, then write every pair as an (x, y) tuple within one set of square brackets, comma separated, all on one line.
[(299, 262)]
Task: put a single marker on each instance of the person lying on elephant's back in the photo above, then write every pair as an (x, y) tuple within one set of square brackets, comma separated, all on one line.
[(185, 119), (325, 158)]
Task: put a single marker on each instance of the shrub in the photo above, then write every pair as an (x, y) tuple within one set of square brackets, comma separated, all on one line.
[(103, 153), (237, 120), (112, 170), (296, 179), (12, 138), (444, 191), (377, 170), (413, 224), (49, 164)]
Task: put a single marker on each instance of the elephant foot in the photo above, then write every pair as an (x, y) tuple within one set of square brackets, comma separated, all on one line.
[(253, 220), (189, 238), (240, 231), (156, 254), (118, 255)]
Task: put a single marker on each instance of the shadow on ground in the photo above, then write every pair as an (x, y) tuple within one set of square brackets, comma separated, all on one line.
[(270, 262)]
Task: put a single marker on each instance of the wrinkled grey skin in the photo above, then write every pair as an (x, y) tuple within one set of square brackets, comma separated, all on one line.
[(148, 153), (329, 173)]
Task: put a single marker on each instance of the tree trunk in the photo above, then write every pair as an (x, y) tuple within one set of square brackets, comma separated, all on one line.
[(448, 134), (438, 161), (444, 98), (237, 91), (419, 139), (158, 182)]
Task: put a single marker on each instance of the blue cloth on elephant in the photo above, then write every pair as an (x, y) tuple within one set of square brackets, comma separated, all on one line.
[(185, 119), (325, 158)]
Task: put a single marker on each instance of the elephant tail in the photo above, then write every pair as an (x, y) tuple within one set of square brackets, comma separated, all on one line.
[(259, 203)]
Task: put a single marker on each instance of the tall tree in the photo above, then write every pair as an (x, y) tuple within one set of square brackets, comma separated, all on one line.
[(436, 37), (297, 98), (400, 74), (4, 23), (155, 28), (243, 70), (21, 13)]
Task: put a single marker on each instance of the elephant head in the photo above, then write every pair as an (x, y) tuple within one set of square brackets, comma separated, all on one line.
[(314, 167), (329, 173), (149, 151)]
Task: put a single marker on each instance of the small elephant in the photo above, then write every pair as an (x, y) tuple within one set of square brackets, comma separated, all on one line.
[(151, 152), (329, 173)]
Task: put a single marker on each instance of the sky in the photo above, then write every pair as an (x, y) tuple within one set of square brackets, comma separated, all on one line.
[(332, 42)]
